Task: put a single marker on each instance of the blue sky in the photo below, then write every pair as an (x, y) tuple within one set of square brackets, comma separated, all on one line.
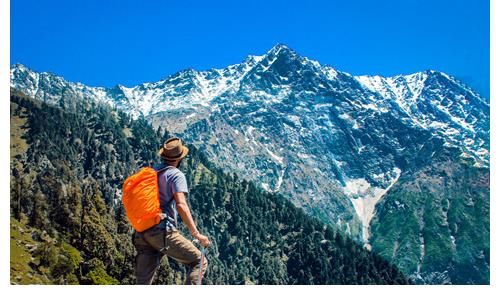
[(103, 43)]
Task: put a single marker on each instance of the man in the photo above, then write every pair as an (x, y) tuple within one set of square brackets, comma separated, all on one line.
[(164, 239)]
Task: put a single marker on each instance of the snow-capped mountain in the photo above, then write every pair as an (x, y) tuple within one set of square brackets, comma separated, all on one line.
[(331, 142)]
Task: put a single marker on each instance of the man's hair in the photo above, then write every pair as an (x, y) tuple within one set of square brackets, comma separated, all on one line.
[(172, 163)]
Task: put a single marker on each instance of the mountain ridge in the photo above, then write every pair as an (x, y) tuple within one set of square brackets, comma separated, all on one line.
[(273, 51)]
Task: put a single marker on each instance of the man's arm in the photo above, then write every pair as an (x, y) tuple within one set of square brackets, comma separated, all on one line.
[(185, 213)]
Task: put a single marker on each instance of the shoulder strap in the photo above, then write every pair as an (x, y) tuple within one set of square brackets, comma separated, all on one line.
[(161, 170)]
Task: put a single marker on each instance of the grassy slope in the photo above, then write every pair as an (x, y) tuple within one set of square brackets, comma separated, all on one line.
[(21, 258)]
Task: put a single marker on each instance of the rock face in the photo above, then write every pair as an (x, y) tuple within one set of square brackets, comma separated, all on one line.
[(338, 145)]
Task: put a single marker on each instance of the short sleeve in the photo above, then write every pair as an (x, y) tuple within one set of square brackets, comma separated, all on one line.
[(179, 183)]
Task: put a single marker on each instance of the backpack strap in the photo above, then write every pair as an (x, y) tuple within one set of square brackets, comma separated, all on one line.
[(158, 172)]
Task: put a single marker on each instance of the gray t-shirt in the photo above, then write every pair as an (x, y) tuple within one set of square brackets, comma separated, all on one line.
[(170, 181)]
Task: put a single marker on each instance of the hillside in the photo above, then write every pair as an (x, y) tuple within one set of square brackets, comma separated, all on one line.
[(67, 167)]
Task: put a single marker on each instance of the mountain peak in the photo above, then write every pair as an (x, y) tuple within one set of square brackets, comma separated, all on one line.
[(281, 48), (19, 67)]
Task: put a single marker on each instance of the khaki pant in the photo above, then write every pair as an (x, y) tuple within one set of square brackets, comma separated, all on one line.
[(153, 243)]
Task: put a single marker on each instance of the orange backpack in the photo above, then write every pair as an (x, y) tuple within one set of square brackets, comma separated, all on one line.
[(141, 199)]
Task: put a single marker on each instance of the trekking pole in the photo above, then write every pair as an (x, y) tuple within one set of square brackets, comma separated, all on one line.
[(200, 274), (203, 251)]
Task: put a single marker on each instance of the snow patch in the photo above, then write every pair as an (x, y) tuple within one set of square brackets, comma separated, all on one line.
[(371, 107), (274, 156), (266, 187), (280, 180), (482, 152), (330, 73), (295, 119), (321, 105), (364, 198), (345, 116), (304, 156)]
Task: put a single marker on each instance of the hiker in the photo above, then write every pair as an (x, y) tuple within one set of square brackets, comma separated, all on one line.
[(163, 238)]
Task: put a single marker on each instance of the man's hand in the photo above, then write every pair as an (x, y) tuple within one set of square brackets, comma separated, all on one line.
[(204, 241)]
